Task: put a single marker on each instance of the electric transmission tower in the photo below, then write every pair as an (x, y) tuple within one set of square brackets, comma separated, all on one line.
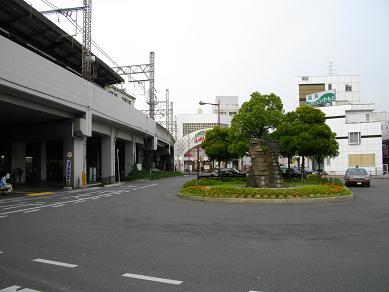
[(139, 74)]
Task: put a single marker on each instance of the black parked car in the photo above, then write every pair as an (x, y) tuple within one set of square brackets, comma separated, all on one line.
[(224, 172), (294, 172)]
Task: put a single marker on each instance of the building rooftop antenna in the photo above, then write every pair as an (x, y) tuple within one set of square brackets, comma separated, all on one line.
[(330, 68)]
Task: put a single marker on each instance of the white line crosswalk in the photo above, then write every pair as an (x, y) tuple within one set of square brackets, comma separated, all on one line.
[(26, 206)]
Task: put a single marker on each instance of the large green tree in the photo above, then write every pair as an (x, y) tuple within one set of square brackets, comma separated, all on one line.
[(287, 135), (257, 118), (216, 144), (304, 132)]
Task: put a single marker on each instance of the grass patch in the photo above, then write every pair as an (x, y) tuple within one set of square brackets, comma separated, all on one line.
[(215, 188), (146, 174)]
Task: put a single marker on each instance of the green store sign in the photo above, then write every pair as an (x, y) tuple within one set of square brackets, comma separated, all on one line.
[(321, 98)]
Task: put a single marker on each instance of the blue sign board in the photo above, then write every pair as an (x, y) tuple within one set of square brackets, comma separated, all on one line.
[(68, 170)]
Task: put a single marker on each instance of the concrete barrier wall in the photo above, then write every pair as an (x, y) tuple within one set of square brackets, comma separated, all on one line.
[(49, 83)]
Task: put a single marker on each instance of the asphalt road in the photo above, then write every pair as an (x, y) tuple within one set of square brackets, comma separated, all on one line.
[(142, 237)]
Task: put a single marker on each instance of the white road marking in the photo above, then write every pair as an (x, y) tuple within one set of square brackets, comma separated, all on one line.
[(25, 212), (13, 206), (1, 251), (254, 291), (3, 216), (55, 263), (80, 201), (57, 205), (16, 289), (154, 279), (148, 186)]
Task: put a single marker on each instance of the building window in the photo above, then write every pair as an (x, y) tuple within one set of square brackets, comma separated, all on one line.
[(364, 160), (304, 78), (354, 137), (329, 86), (348, 87), (367, 118), (328, 161)]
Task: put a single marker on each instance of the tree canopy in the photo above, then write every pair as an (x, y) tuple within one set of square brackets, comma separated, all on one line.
[(256, 119), (305, 133), (216, 144)]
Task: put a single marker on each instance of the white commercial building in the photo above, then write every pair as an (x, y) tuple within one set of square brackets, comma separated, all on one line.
[(358, 130), (359, 138), (191, 130)]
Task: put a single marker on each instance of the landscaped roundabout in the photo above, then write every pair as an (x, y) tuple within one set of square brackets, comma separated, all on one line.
[(234, 190)]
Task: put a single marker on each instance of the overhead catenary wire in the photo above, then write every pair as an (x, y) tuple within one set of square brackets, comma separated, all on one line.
[(100, 49)]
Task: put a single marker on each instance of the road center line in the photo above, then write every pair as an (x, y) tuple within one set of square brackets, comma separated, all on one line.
[(34, 210), (55, 263), (154, 279)]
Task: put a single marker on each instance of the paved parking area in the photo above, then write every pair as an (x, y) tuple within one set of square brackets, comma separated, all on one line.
[(142, 237)]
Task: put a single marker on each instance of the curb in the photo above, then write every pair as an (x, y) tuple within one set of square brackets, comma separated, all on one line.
[(268, 201)]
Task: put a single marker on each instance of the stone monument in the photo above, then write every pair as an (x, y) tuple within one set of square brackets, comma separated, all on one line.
[(264, 170)]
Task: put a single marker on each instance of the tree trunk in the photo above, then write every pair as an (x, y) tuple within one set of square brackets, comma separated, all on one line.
[(302, 167), (319, 171), (289, 168)]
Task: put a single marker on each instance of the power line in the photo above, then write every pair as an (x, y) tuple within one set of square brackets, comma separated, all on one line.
[(80, 30)]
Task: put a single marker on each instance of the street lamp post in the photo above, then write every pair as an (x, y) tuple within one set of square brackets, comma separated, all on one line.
[(218, 109)]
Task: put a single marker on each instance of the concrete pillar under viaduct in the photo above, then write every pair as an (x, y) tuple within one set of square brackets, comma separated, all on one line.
[(108, 159), (76, 148), (19, 162), (43, 169), (129, 154)]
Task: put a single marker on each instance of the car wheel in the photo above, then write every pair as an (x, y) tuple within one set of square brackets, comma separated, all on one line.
[(368, 185)]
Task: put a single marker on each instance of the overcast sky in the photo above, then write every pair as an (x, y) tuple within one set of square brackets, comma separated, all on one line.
[(205, 48)]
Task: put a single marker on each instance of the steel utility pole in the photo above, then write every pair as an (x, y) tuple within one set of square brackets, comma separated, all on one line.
[(86, 61), (146, 72), (151, 88), (87, 41), (167, 113)]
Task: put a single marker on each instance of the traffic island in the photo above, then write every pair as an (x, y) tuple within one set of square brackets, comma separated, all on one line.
[(236, 192)]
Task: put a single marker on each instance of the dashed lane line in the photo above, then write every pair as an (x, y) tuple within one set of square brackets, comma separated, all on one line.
[(3, 216), (154, 279), (50, 262)]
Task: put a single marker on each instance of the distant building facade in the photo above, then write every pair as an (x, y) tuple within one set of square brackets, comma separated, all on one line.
[(191, 130), (345, 86), (358, 130)]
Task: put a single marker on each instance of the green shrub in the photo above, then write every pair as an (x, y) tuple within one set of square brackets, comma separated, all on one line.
[(146, 174)]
